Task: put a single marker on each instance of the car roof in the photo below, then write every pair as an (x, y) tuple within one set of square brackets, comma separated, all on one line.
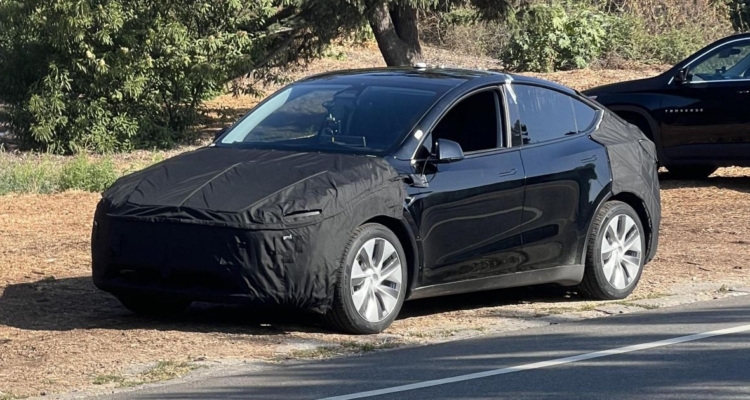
[(430, 75)]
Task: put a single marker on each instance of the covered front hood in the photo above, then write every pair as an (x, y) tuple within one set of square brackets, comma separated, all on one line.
[(248, 188), (639, 85)]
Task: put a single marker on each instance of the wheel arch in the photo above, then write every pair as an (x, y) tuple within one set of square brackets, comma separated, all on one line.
[(633, 201), (626, 111), (400, 227), (640, 208)]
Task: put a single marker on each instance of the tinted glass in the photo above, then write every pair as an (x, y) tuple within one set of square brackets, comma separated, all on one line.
[(731, 61), (585, 115), (356, 118), (542, 114), (473, 123)]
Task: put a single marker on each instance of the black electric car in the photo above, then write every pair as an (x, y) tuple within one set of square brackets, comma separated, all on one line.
[(350, 192), (697, 113)]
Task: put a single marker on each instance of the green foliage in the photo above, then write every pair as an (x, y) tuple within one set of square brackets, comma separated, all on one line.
[(108, 75), (28, 176), (575, 34), (87, 175), (43, 174), (739, 14), (556, 36)]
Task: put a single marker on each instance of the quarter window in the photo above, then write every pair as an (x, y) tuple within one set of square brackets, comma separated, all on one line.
[(585, 115)]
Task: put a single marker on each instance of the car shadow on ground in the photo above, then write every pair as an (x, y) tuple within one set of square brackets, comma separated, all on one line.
[(735, 183), (74, 303)]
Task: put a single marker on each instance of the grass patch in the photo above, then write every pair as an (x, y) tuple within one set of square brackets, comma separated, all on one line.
[(107, 379), (650, 296), (366, 347), (162, 371), (315, 353), (88, 175), (588, 307), (11, 396), (723, 289), (27, 175), (166, 370), (350, 347), (44, 174), (644, 306)]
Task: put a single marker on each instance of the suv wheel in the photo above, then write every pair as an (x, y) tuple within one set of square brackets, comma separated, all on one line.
[(691, 172), (615, 254), (371, 283), (152, 305)]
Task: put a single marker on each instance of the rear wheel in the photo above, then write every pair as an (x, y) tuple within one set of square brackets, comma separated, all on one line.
[(371, 283), (691, 171), (615, 254), (153, 306)]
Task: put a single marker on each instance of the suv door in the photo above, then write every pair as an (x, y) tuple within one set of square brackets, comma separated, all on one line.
[(565, 173), (708, 115), (470, 214)]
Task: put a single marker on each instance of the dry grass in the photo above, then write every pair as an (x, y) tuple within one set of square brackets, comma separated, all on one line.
[(58, 333)]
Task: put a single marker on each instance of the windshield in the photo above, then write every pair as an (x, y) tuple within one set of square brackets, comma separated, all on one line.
[(360, 118)]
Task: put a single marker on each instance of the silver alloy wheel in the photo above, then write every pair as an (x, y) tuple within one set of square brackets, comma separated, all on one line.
[(376, 279), (621, 252)]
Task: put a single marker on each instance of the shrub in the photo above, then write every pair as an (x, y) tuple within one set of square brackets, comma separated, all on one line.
[(88, 175), (28, 176), (555, 36), (43, 174), (109, 75)]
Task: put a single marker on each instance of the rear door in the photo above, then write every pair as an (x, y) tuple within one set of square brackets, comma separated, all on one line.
[(469, 217), (708, 117), (565, 173)]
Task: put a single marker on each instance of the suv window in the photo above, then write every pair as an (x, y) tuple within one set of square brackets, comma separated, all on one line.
[(731, 61), (473, 123), (539, 115)]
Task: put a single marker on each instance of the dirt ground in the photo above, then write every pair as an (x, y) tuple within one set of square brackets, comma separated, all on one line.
[(59, 334)]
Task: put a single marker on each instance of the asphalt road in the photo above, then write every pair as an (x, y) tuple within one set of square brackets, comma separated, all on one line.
[(698, 351)]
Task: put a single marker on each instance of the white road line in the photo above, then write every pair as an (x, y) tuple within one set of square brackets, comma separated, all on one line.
[(543, 364)]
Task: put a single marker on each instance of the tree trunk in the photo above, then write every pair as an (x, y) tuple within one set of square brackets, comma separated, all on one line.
[(397, 33)]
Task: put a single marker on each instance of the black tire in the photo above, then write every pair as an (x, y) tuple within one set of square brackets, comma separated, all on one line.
[(694, 172), (153, 306), (595, 284), (344, 316)]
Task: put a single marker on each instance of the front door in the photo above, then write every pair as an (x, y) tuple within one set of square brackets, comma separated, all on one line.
[(709, 115), (470, 214)]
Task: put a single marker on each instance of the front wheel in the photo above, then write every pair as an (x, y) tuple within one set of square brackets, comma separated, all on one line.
[(615, 254), (371, 282)]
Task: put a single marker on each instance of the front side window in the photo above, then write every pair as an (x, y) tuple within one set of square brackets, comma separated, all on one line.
[(356, 118), (473, 123), (731, 61)]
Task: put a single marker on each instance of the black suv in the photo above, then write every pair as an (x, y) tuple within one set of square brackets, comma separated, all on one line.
[(697, 113), (349, 192)]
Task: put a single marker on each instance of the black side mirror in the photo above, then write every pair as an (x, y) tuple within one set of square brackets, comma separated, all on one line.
[(682, 76), (448, 151), (218, 134)]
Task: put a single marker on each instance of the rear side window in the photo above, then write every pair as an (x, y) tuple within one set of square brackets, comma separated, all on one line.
[(538, 115)]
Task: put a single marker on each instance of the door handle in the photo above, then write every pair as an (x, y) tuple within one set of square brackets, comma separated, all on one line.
[(590, 159), (509, 172)]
